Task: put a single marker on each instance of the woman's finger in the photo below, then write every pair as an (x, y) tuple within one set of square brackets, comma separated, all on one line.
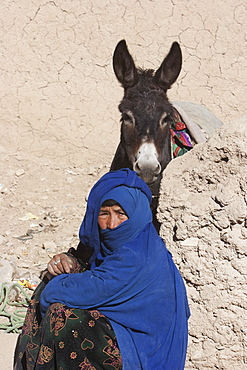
[(54, 265), (65, 263), (53, 269), (60, 264)]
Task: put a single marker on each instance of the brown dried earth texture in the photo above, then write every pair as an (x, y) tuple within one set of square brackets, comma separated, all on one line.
[(203, 212), (60, 127)]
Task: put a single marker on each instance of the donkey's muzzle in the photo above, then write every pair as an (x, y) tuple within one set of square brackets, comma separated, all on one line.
[(147, 164)]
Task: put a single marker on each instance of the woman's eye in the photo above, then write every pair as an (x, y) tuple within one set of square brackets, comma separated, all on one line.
[(103, 214), (122, 214)]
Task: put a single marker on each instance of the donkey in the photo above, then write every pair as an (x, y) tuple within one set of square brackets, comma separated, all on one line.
[(145, 143), (147, 116)]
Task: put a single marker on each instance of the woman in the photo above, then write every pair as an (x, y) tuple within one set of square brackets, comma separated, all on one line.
[(126, 308)]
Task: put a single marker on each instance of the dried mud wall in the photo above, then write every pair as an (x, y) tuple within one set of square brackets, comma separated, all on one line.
[(59, 95), (58, 110), (203, 212)]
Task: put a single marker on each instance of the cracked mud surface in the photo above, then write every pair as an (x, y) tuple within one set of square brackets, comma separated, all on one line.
[(60, 126)]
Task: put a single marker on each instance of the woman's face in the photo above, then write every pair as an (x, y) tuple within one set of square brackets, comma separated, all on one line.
[(111, 217)]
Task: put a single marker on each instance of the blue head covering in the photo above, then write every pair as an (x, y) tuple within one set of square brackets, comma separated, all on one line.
[(127, 196), (135, 197), (135, 284), (135, 203)]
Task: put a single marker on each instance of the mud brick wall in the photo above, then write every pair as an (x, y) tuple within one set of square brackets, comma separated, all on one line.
[(203, 212), (59, 95)]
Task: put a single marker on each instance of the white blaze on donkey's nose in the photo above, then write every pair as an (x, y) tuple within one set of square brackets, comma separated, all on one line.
[(147, 161)]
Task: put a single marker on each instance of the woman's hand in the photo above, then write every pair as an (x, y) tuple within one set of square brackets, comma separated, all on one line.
[(60, 264)]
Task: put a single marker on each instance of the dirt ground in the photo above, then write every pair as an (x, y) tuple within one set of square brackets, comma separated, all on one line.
[(59, 120)]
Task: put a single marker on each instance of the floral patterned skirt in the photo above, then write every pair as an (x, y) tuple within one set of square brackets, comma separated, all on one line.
[(66, 338)]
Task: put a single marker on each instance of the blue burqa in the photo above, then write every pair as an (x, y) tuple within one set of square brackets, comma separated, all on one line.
[(132, 280)]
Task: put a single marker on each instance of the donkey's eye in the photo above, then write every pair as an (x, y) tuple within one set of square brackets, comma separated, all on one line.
[(164, 119), (128, 118)]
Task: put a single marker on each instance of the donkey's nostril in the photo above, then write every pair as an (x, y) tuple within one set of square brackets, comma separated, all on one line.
[(141, 168), (137, 167), (158, 169)]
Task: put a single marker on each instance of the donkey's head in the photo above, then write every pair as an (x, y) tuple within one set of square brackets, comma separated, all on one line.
[(145, 132)]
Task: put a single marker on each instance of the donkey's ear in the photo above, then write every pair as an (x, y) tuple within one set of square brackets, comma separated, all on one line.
[(124, 66), (170, 68)]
